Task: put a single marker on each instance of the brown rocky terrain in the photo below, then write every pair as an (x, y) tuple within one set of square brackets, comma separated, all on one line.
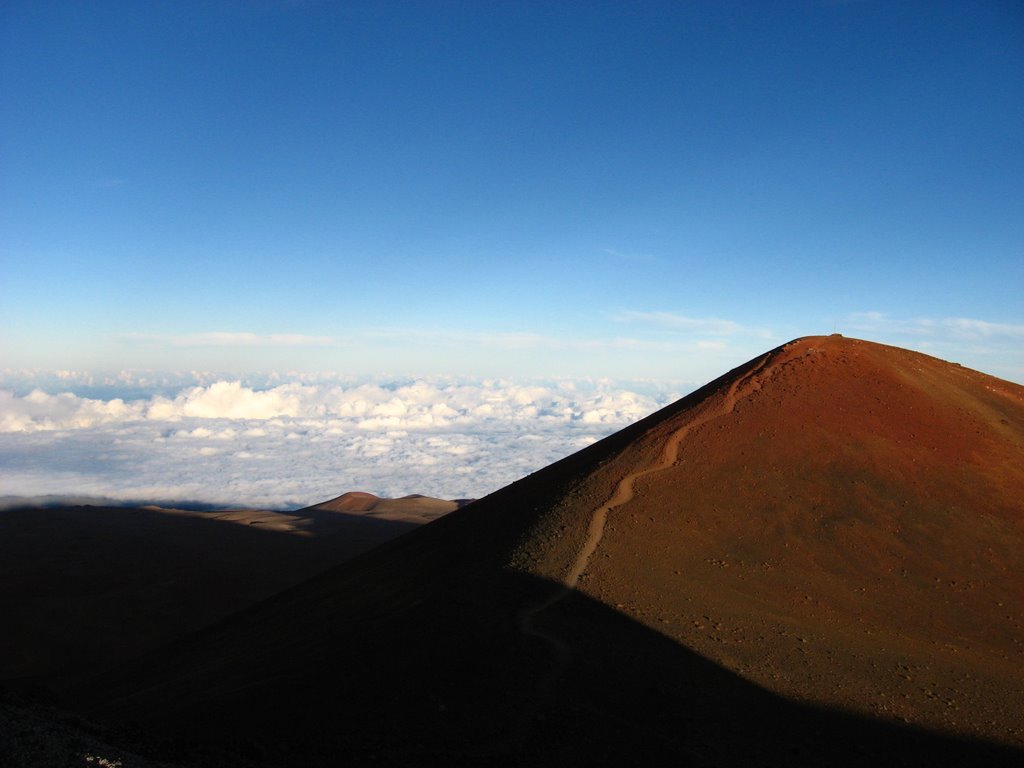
[(816, 559)]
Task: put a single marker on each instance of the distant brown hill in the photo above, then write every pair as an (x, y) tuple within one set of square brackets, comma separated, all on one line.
[(413, 508), (817, 559)]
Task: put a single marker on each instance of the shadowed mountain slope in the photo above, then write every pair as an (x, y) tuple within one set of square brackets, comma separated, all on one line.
[(85, 586), (815, 559)]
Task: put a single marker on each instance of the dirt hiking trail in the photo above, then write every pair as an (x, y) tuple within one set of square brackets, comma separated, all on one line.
[(624, 493)]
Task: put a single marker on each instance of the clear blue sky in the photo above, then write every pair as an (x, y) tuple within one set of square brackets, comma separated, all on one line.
[(585, 188)]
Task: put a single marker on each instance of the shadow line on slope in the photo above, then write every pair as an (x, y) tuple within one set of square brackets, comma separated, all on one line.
[(437, 673), (623, 494)]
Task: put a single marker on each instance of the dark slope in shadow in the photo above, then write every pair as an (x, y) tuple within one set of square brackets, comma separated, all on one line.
[(83, 587), (415, 679)]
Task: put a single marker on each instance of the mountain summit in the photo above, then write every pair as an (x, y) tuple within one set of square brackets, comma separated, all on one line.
[(817, 558)]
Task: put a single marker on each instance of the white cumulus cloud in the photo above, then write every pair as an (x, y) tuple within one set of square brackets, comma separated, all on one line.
[(230, 400)]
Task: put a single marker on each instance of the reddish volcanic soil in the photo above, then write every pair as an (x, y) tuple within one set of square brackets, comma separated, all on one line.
[(850, 533), (817, 559)]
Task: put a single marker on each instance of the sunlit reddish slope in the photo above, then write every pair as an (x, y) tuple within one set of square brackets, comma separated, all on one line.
[(786, 567), (850, 532)]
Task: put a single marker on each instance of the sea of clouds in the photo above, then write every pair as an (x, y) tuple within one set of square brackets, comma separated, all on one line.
[(288, 441)]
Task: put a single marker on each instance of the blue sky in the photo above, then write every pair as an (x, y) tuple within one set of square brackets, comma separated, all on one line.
[(657, 190)]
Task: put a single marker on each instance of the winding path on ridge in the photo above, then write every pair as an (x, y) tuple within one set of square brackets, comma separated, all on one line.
[(624, 492)]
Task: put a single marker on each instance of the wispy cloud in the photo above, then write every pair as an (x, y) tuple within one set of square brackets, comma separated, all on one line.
[(683, 333), (514, 340), (489, 339), (712, 326), (996, 348), (232, 339), (510, 340), (964, 328)]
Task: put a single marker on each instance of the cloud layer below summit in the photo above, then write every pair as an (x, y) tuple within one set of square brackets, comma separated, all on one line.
[(296, 443)]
